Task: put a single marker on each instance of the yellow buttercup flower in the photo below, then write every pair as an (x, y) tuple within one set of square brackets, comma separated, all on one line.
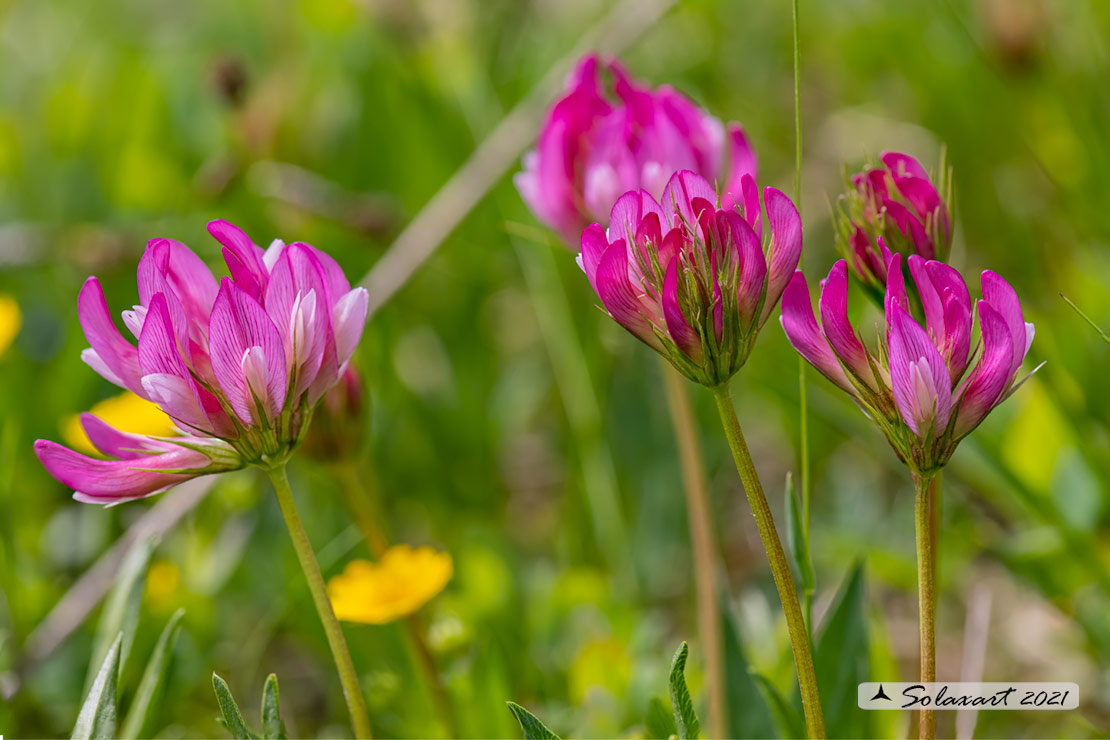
[(126, 412), (402, 581), (10, 321)]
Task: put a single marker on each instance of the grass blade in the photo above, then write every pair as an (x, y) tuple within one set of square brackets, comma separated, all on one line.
[(233, 718), (272, 726), (97, 719), (153, 680)]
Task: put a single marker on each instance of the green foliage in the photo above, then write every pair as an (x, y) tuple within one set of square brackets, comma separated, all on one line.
[(749, 714), (97, 720), (152, 685), (685, 719), (272, 726), (121, 610), (533, 728), (231, 718), (797, 539), (842, 660)]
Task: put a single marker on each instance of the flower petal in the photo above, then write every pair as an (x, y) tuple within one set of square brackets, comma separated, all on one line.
[(682, 334), (805, 335), (115, 481), (619, 297), (786, 246), (239, 324), (833, 305), (992, 373), (1003, 299), (679, 195), (112, 351), (741, 162), (594, 244), (919, 378)]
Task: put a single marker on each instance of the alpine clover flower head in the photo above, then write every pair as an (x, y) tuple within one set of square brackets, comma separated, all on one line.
[(237, 364), (596, 144), (693, 281), (927, 386), (896, 207)]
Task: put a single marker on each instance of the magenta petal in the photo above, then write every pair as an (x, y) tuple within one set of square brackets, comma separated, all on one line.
[(920, 194), (111, 350), (620, 299), (911, 227), (116, 481), (628, 211), (957, 334), (753, 212), (1003, 299), (594, 244), (679, 195), (682, 334), (350, 319), (992, 373), (741, 162), (166, 377), (238, 325), (895, 287), (244, 258), (805, 335), (786, 246), (901, 165), (930, 299), (919, 378), (297, 302), (752, 275), (833, 305), (122, 445)]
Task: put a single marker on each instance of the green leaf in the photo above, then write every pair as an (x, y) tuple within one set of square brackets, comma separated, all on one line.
[(788, 717), (659, 722), (842, 658), (748, 713), (530, 723), (153, 680), (233, 718), (684, 717), (272, 726), (97, 719), (121, 610), (797, 539)]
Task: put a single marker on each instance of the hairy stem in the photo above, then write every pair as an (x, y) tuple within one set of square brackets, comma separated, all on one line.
[(926, 593), (356, 705), (776, 557), (702, 541)]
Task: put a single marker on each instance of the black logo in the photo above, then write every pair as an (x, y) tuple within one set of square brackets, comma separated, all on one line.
[(880, 694)]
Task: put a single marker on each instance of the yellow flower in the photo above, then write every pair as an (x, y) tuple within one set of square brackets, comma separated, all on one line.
[(402, 581), (10, 320), (126, 412), (162, 580)]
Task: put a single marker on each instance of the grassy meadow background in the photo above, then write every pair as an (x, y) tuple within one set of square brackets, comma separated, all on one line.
[(334, 122)]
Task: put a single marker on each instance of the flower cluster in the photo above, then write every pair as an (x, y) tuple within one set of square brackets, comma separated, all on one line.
[(925, 387), (895, 206), (692, 280), (593, 148), (237, 364)]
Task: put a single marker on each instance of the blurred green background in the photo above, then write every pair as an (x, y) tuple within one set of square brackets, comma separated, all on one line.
[(334, 122)]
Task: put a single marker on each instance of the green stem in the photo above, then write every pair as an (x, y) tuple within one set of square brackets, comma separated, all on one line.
[(701, 540), (803, 401), (926, 593), (356, 705), (776, 557)]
